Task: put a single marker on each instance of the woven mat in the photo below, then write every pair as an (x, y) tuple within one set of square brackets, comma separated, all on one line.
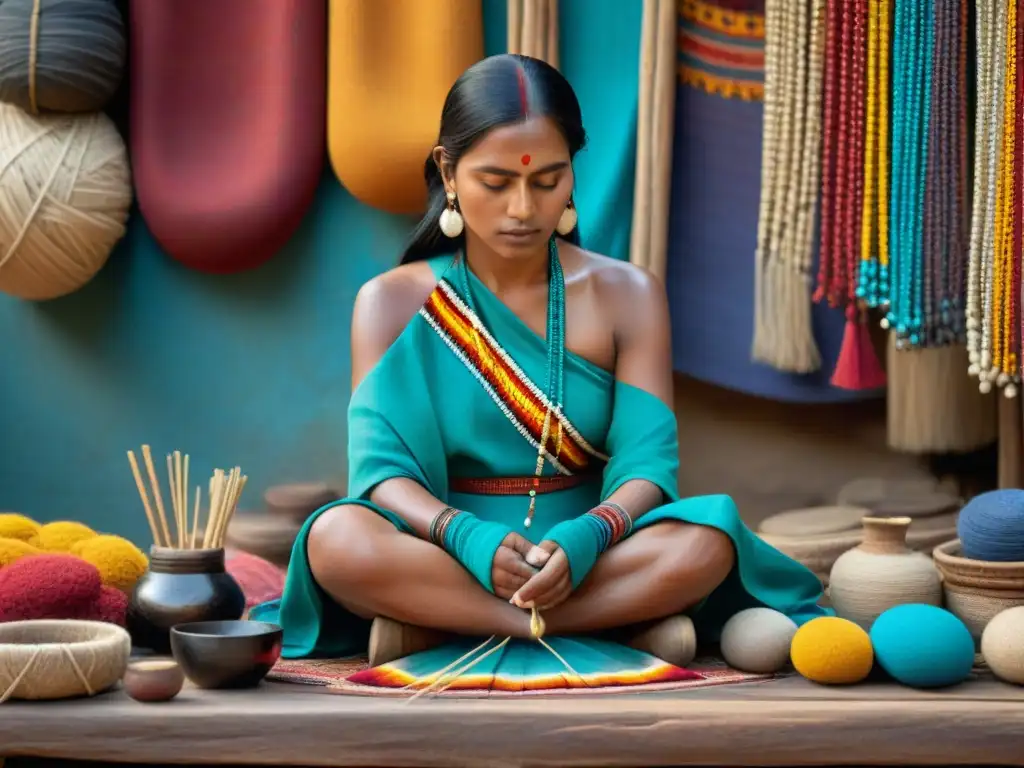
[(332, 673)]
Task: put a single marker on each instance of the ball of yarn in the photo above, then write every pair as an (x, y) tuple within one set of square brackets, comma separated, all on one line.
[(758, 640), (61, 536), (923, 646), (15, 526), (832, 651), (1002, 645), (260, 580), (12, 550), (79, 48), (111, 606), (64, 198), (991, 526), (120, 563), (47, 587)]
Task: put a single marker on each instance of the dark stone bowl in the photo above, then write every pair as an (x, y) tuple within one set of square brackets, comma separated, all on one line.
[(226, 654)]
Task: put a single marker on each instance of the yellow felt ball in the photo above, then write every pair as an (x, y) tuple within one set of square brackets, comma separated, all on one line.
[(833, 651), (15, 526), (61, 536), (14, 549), (119, 562)]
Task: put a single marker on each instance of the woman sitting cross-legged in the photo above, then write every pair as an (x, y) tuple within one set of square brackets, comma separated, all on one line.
[(512, 442)]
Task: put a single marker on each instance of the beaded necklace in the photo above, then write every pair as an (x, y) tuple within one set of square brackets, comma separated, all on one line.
[(555, 380), (1017, 248), (975, 311), (783, 335)]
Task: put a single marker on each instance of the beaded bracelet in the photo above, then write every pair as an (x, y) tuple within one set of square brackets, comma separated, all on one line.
[(439, 525), (615, 522)]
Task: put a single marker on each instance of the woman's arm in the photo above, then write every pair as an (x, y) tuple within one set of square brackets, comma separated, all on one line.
[(643, 342)]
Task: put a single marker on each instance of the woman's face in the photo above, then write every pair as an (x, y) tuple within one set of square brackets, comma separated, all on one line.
[(513, 186)]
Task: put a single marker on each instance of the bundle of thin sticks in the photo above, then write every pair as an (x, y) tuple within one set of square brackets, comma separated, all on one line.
[(225, 489)]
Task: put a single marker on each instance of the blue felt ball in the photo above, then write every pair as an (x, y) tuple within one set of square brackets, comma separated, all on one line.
[(991, 526), (923, 646)]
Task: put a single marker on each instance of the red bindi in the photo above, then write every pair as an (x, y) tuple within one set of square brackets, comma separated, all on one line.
[(525, 159)]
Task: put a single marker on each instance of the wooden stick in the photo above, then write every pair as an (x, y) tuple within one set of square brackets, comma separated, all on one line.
[(640, 242), (147, 456), (172, 484), (184, 502), (552, 47), (216, 490), (195, 518), (182, 509), (224, 513), (145, 499), (232, 504), (662, 125), (515, 26)]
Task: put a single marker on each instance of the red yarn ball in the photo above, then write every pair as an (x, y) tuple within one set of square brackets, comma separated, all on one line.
[(111, 606), (49, 586), (260, 580)]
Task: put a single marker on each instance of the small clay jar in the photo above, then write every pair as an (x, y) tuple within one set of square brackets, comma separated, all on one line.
[(153, 680), (882, 572)]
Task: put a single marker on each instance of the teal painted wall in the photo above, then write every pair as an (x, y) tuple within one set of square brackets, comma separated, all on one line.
[(252, 369)]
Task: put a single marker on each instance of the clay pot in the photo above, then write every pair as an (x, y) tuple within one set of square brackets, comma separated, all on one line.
[(882, 572)]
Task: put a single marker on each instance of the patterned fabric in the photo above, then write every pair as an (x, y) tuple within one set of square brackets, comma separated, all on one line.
[(511, 389), (721, 47), (353, 676)]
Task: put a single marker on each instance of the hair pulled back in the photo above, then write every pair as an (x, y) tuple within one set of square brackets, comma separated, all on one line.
[(496, 91)]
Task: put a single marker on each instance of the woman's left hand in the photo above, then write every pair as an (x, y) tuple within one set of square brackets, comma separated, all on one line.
[(551, 585)]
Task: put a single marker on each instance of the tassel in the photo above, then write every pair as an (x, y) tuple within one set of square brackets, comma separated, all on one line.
[(858, 366)]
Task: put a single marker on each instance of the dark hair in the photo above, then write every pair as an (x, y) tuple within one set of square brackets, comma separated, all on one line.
[(496, 91)]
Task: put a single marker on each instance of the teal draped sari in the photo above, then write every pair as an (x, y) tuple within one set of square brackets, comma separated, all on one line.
[(438, 410)]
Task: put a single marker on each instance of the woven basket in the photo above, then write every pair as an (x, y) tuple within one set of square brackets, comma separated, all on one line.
[(977, 574), (60, 659), (977, 607)]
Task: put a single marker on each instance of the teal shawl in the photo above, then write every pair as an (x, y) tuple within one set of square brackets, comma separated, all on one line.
[(432, 409)]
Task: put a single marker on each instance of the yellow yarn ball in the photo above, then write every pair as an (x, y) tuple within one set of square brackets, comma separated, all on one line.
[(61, 536), (833, 651), (14, 549), (64, 200), (15, 526), (119, 562)]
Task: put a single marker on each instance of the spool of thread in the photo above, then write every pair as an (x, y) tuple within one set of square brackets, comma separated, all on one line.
[(60, 55), (64, 199), (991, 526)]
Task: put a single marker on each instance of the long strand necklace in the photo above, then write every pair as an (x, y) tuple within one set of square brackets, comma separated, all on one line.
[(975, 311), (1006, 359), (548, 445), (1017, 252)]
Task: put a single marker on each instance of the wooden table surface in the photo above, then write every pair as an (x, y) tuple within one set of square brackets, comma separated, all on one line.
[(782, 722)]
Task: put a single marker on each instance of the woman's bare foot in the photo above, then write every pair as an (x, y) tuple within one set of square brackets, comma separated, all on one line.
[(390, 640), (673, 640)]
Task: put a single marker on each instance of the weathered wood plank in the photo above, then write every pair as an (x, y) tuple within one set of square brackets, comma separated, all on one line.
[(761, 729)]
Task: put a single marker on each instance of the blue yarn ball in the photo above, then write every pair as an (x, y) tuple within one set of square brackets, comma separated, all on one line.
[(991, 526), (923, 646)]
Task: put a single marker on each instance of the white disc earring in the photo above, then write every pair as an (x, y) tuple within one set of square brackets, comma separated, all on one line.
[(567, 221), (451, 222)]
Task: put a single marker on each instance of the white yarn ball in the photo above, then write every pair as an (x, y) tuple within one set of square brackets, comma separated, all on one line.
[(758, 640), (65, 192), (1002, 645)]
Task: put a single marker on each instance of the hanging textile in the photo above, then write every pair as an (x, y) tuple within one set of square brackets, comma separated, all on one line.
[(654, 134), (714, 214)]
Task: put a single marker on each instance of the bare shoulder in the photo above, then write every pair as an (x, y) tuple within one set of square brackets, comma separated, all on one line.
[(636, 295), (383, 308)]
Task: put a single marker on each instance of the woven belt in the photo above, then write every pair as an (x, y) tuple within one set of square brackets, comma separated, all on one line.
[(516, 486)]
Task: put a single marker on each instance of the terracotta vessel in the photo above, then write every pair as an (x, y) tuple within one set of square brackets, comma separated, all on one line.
[(882, 572), (182, 585)]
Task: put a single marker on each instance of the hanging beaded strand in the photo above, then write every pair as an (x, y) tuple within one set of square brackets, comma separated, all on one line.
[(867, 271), (555, 380), (829, 161), (1017, 253), (1006, 361), (985, 12)]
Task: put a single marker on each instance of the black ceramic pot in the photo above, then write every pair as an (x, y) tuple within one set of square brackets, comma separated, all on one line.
[(181, 586)]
